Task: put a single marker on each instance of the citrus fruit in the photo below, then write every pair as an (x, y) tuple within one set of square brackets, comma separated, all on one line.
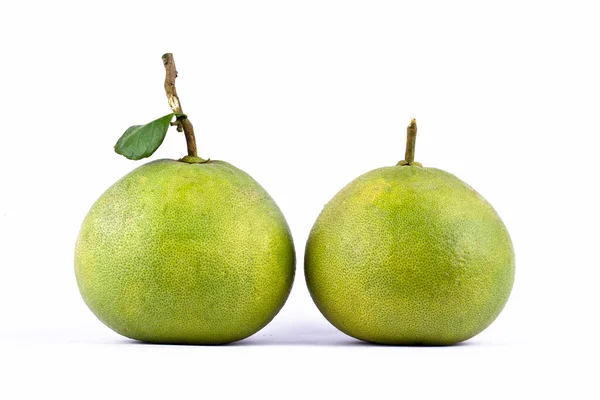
[(409, 255), (185, 253), (189, 251)]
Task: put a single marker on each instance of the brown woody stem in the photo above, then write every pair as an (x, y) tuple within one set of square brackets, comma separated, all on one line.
[(411, 138), (182, 121)]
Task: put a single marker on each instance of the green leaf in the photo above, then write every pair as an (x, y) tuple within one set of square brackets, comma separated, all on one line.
[(141, 141)]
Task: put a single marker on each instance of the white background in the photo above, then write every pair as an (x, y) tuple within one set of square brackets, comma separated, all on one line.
[(304, 96)]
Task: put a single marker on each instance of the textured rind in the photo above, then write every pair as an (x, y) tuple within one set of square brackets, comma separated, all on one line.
[(185, 253), (409, 255)]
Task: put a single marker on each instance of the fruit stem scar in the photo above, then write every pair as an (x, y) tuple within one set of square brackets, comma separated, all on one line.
[(182, 122)]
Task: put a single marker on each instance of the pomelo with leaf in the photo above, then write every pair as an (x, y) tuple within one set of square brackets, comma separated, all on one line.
[(189, 251)]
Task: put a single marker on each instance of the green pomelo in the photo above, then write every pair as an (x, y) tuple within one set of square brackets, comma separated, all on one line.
[(185, 253), (409, 255)]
